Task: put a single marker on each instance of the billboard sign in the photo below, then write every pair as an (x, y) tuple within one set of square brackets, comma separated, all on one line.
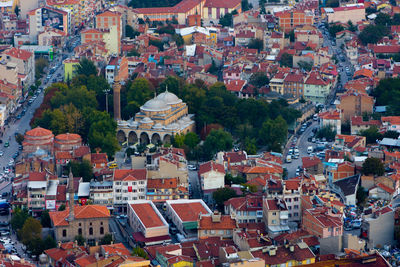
[(52, 18)]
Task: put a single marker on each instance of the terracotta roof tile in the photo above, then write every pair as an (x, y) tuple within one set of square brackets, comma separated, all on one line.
[(189, 212), (147, 215), (226, 222), (80, 212)]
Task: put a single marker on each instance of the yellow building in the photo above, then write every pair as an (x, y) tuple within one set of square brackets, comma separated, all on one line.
[(157, 121), (69, 68)]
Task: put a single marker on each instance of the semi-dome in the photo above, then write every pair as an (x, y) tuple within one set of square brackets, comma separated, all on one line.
[(146, 120), (169, 98), (123, 123), (157, 126), (172, 126), (155, 105)]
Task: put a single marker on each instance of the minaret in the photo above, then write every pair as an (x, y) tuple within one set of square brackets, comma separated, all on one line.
[(71, 196), (117, 95)]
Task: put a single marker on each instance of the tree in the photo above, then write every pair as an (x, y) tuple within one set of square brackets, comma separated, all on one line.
[(217, 140), (332, 3), (31, 230), (396, 19), (335, 28), (286, 60), (391, 134), (383, 19), (191, 140), (373, 166), (373, 34), (61, 208), (49, 243), (259, 79), (221, 195), (305, 65), (82, 169), (130, 32), (80, 239), (40, 64), (226, 20), (133, 53), (18, 219), (361, 195), (326, 132), (291, 36), (19, 138), (86, 67), (16, 10), (245, 5), (372, 134), (250, 146), (139, 252), (230, 180), (106, 240), (45, 220), (273, 133), (351, 27), (256, 44)]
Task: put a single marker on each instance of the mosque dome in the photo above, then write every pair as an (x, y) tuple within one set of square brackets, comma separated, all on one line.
[(155, 105), (169, 98)]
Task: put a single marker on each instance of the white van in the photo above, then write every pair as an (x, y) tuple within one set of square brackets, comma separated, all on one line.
[(310, 149), (288, 159)]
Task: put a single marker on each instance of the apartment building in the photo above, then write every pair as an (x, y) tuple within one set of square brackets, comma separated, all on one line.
[(247, 209), (128, 185), (276, 216)]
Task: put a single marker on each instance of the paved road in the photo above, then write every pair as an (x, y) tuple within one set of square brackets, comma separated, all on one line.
[(194, 184), (302, 143)]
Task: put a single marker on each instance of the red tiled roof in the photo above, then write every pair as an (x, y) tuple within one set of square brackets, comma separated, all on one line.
[(386, 188), (114, 249), (189, 212), (234, 85), (18, 53), (211, 166), (310, 161), (292, 184), (294, 78), (130, 175), (68, 137), (39, 132), (226, 222), (147, 215), (37, 176), (162, 183), (222, 3), (99, 158), (80, 212)]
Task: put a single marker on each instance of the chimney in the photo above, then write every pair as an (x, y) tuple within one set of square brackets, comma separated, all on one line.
[(216, 217)]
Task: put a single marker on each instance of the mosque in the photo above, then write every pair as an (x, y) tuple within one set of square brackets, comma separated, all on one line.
[(157, 121)]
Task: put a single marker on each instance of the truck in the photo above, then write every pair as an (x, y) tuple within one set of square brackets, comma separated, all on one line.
[(288, 158)]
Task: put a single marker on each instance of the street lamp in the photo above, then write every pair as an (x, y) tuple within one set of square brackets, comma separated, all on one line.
[(106, 92)]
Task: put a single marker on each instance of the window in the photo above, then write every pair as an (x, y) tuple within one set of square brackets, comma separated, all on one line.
[(274, 213), (91, 231), (102, 230), (273, 221), (80, 231), (296, 214), (64, 233), (296, 207)]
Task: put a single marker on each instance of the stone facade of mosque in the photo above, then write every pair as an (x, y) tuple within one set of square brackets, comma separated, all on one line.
[(157, 121)]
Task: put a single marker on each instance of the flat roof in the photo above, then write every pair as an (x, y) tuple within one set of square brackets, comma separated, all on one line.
[(188, 211)]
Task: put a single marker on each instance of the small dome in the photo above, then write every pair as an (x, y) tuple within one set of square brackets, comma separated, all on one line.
[(39, 132), (155, 105), (68, 137), (169, 98), (133, 123), (172, 126), (146, 120), (123, 123), (157, 126)]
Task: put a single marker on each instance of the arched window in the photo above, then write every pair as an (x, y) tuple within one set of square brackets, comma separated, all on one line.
[(64, 233), (90, 231), (80, 231), (102, 230)]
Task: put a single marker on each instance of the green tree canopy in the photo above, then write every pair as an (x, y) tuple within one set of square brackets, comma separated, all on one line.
[(18, 219), (383, 19), (335, 28), (221, 195), (256, 44), (273, 133), (139, 252), (373, 166), (305, 65), (226, 20), (31, 230), (371, 135), (45, 219), (80, 239), (106, 240), (286, 60), (373, 34), (217, 140), (259, 79), (82, 169), (86, 67), (326, 132), (130, 32)]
